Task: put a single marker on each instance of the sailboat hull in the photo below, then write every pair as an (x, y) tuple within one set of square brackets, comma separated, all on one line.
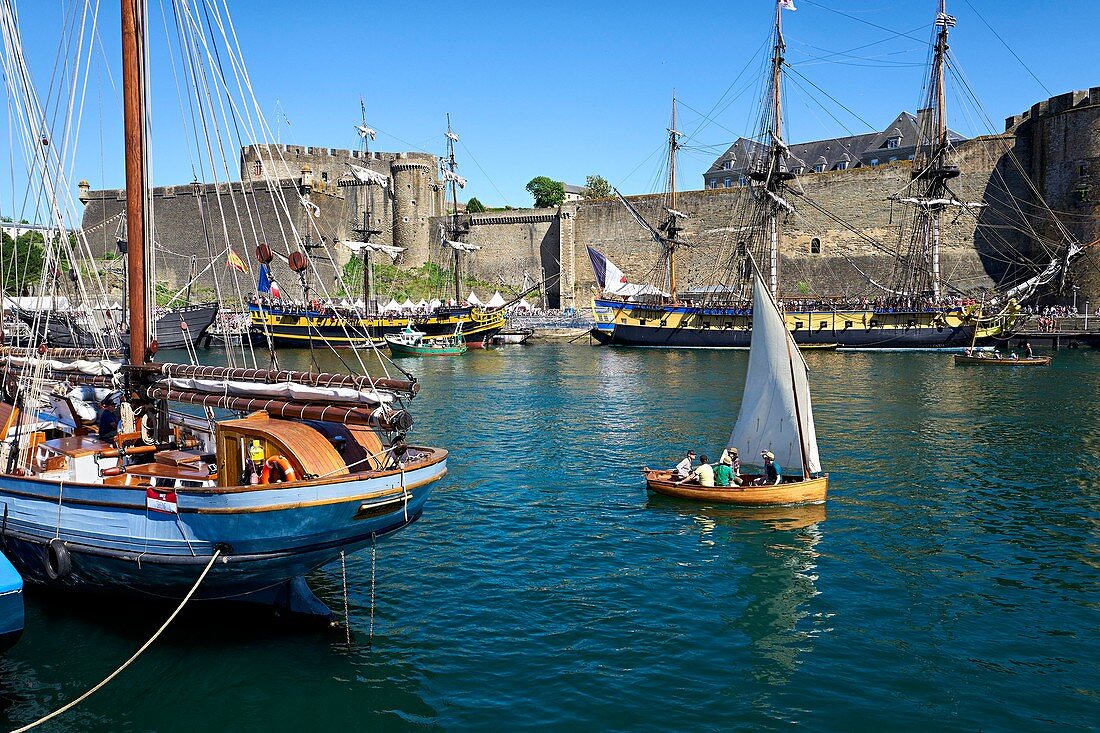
[(638, 324), (300, 328), (270, 534), (807, 491)]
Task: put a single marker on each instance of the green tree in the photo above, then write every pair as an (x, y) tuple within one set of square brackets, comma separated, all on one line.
[(548, 193), (473, 206), (23, 259), (596, 187)]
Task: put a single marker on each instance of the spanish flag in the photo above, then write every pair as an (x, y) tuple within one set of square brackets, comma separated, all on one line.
[(234, 261)]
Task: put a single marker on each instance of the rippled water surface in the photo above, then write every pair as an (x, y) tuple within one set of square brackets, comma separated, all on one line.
[(950, 583)]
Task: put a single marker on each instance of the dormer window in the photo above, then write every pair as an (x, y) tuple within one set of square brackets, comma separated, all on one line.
[(842, 165), (799, 170), (819, 168), (893, 142), (874, 162), (727, 165)]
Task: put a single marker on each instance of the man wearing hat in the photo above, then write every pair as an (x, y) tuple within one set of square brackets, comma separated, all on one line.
[(684, 468), (731, 461), (773, 474)]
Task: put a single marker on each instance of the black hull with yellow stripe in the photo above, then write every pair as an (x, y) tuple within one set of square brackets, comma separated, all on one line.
[(621, 323), (299, 327)]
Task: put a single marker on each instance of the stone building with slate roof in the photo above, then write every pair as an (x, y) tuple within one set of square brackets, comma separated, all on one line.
[(898, 141)]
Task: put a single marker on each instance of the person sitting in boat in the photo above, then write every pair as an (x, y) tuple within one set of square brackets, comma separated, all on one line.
[(723, 472), (254, 467), (703, 473), (108, 421), (732, 458), (1014, 356), (684, 468), (773, 473)]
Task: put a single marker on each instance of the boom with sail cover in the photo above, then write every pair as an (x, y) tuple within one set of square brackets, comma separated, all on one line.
[(776, 414)]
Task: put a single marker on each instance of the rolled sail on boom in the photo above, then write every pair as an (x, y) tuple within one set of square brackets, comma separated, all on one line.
[(776, 413)]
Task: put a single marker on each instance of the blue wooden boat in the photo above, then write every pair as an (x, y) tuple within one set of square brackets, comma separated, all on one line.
[(306, 466), (11, 605)]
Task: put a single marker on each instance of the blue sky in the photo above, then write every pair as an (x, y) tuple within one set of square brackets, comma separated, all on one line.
[(573, 89)]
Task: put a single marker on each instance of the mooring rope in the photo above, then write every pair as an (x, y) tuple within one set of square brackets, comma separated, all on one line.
[(129, 661)]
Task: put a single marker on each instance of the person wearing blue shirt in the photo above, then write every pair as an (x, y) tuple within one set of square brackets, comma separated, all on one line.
[(108, 421), (773, 473)]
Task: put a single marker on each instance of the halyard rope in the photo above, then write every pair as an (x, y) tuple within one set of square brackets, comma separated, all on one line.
[(129, 661)]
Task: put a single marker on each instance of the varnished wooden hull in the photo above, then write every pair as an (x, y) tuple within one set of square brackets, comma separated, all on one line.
[(987, 361), (811, 491)]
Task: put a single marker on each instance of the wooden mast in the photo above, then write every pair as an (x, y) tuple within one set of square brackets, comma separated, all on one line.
[(133, 99), (943, 21), (672, 229), (454, 203), (776, 152)]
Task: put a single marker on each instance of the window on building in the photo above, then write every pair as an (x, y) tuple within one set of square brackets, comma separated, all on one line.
[(874, 162), (799, 170), (819, 168), (912, 157), (1083, 170), (742, 181), (842, 165), (815, 246), (893, 142), (727, 165), (258, 168), (728, 182), (893, 159), (324, 175)]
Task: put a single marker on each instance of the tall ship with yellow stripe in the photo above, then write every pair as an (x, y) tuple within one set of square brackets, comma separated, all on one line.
[(344, 325), (916, 306)]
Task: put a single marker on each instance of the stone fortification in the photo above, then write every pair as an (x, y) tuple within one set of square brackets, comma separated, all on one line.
[(1056, 141)]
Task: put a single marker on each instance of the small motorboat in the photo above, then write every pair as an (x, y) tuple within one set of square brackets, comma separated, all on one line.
[(11, 605), (410, 342)]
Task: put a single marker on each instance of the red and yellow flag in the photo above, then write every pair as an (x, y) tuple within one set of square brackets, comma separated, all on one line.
[(234, 261)]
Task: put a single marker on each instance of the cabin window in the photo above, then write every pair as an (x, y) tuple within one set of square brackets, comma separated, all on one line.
[(728, 183), (815, 246), (821, 325)]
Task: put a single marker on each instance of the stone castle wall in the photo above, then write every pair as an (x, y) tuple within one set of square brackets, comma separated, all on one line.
[(1057, 142)]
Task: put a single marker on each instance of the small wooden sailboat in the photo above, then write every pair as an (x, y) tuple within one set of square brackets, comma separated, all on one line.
[(411, 342), (776, 415)]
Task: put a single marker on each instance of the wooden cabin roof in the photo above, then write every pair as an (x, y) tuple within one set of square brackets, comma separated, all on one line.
[(305, 445)]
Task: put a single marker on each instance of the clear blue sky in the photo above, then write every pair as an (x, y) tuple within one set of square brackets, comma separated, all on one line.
[(572, 89)]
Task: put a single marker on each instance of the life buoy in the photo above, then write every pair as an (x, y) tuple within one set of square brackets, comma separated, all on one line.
[(279, 466), (58, 562)]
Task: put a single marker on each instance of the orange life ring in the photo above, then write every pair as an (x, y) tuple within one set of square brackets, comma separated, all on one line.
[(284, 467)]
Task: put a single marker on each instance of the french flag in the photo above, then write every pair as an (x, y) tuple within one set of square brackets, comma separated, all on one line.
[(609, 277)]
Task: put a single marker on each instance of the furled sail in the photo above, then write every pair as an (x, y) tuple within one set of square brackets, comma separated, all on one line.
[(288, 391), (776, 414), (367, 176)]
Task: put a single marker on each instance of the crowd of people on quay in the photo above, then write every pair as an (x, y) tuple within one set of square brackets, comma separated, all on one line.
[(877, 305)]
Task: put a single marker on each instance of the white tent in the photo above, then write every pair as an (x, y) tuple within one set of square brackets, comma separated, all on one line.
[(472, 298), (393, 305), (436, 302), (522, 306), (423, 304), (496, 301), (408, 305)]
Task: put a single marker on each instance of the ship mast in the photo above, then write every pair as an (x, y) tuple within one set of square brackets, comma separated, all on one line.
[(137, 179), (452, 179), (671, 226), (777, 151), (930, 166)]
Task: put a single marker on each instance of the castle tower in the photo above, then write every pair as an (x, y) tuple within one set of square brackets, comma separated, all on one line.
[(412, 208), (1064, 137)]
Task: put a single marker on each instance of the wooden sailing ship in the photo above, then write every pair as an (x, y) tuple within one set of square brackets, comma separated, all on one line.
[(776, 415), (343, 326), (304, 468), (916, 310)]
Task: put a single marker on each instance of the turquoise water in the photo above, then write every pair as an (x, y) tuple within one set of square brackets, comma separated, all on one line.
[(951, 582)]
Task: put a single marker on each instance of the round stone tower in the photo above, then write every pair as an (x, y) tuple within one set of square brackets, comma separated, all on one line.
[(412, 207), (1065, 161)]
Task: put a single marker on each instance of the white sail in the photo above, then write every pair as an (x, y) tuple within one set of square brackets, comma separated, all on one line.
[(290, 391), (777, 393), (367, 176)]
